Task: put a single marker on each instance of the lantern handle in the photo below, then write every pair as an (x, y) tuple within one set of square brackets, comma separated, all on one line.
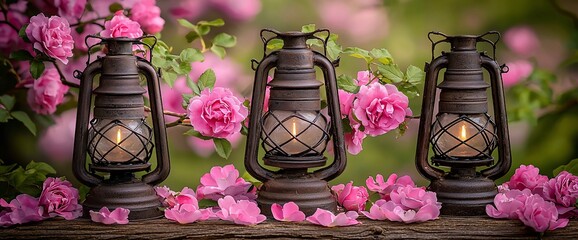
[(434, 43), (257, 101), (481, 38), (429, 94), (504, 152), (340, 157), (161, 172), (81, 130)]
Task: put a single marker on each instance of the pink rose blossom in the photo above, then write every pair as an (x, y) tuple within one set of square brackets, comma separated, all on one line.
[(238, 10), (563, 191), (22, 209), (148, 15), (384, 188), (508, 204), (46, 92), (289, 212), (382, 210), (59, 198), (380, 108), (105, 216), (518, 70), (522, 40), (171, 198), (121, 26), (70, 9), (328, 219), (541, 215), (186, 213), (217, 113), (364, 78), (224, 181), (354, 139), (350, 197), (241, 212), (345, 102), (527, 177), (51, 36)]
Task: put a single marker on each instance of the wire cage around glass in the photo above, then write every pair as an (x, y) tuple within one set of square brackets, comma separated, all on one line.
[(120, 141)]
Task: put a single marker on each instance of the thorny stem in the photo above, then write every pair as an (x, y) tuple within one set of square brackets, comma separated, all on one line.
[(62, 78), (182, 121)]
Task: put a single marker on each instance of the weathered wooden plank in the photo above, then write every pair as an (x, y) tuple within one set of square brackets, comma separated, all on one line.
[(444, 228)]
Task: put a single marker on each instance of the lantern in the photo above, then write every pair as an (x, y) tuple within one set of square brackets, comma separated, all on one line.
[(463, 135), (294, 133), (118, 140)]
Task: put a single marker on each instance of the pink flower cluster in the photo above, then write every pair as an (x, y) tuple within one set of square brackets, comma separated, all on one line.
[(243, 212), (401, 200), (217, 113), (183, 206), (51, 36), (148, 15), (540, 203), (349, 197), (58, 198), (225, 181), (523, 41), (375, 110), (46, 92)]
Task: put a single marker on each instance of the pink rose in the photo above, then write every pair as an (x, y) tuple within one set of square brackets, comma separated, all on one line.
[(51, 36), (105, 216), (380, 108), (354, 139), (527, 177), (350, 197), (328, 219), (59, 198), (364, 78), (171, 199), (518, 70), (22, 209), (522, 40), (121, 26), (70, 9), (186, 213), (46, 92), (345, 102), (289, 212), (408, 204), (563, 191), (238, 10), (384, 188), (217, 113), (508, 204), (241, 212), (57, 141), (148, 15), (224, 181), (541, 215)]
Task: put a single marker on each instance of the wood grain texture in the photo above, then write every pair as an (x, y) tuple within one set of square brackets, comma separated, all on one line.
[(444, 228)]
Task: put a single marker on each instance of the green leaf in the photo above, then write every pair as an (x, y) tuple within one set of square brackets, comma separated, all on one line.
[(4, 115), (22, 33), (275, 44), (333, 50), (192, 132), (571, 167), (191, 36), (358, 53), (115, 7), (7, 101), (247, 177), (21, 55), (308, 28), (205, 203), (169, 77), (25, 119), (414, 75), (219, 51), (193, 86), (215, 23), (191, 55), (36, 68), (222, 147), (4, 169), (82, 192), (225, 40), (204, 30), (41, 168), (347, 84), (382, 55), (187, 24), (391, 72), (207, 79)]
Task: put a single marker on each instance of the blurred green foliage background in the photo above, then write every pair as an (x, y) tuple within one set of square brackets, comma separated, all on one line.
[(401, 26)]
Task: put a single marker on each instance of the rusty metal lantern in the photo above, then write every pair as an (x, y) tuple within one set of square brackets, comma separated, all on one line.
[(118, 140), (294, 132), (463, 135)]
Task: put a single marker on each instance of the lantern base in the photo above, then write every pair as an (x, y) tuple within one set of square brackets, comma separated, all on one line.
[(307, 191), (140, 198), (464, 196)]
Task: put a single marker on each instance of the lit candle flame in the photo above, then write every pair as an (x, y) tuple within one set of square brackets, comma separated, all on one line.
[(294, 129), (118, 136), (463, 133)]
